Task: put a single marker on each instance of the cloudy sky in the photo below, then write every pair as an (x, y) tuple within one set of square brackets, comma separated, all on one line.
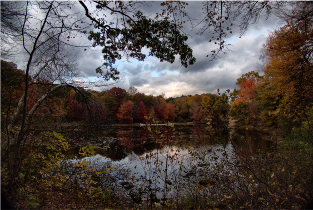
[(153, 77)]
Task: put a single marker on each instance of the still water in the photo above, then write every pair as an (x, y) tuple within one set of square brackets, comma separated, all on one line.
[(165, 162)]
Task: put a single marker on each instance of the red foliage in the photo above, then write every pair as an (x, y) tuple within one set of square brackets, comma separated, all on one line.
[(75, 110), (170, 112), (248, 89), (142, 113), (160, 112), (165, 111), (248, 92)]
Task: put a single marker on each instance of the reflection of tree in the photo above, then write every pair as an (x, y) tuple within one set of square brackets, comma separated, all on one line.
[(125, 138), (208, 136), (198, 130), (141, 140), (168, 135), (249, 142), (143, 136), (117, 152)]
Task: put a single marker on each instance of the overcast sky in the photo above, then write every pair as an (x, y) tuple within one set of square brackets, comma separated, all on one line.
[(153, 77)]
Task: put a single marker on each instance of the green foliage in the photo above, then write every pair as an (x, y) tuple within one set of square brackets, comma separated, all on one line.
[(239, 111), (215, 108), (32, 202), (300, 136), (44, 173)]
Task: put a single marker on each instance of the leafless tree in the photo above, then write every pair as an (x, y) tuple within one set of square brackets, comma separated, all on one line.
[(40, 30)]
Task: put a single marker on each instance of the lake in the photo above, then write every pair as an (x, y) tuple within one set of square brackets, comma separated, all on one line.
[(141, 164)]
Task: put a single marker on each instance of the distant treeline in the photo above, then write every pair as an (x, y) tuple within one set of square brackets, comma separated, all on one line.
[(115, 105)]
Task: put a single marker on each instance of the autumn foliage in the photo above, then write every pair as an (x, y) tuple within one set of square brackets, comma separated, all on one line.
[(125, 112), (284, 92), (75, 110), (142, 113), (277, 99), (289, 70), (243, 107)]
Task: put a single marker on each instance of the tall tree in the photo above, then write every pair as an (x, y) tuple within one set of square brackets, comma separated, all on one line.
[(125, 112), (181, 109), (288, 55), (164, 111), (42, 37), (142, 113), (243, 108), (132, 91), (118, 94), (12, 84), (215, 109), (194, 105)]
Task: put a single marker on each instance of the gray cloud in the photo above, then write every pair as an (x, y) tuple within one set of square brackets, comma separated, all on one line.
[(164, 79), (132, 69), (88, 61), (207, 76), (140, 80), (203, 77)]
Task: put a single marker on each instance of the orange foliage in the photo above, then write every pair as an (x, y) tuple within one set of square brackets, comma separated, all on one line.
[(125, 112), (244, 107), (289, 69)]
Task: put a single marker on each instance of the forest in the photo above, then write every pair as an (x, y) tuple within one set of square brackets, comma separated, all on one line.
[(115, 105), (46, 117)]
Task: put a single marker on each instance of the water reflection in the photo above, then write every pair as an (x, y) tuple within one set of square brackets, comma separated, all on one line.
[(167, 162), (251, 141), (139, 140)]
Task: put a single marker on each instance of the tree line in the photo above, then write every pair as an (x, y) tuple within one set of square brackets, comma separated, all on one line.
[(115, 105)]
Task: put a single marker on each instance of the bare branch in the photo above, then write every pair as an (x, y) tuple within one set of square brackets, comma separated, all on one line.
[(93, 19)]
